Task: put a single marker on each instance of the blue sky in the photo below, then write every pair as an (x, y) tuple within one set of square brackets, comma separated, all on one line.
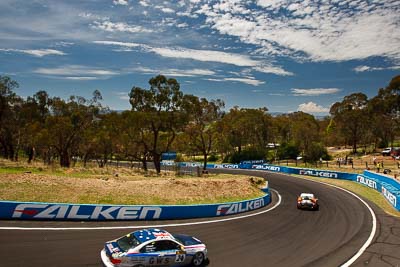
[(297, 55)]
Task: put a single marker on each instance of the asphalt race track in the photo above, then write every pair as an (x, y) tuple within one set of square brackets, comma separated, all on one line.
[(283, 236)]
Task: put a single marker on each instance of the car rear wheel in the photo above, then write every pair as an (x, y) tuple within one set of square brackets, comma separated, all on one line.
[(198, 259)]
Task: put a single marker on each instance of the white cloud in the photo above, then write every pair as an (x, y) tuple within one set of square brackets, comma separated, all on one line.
[(167, 10), (315, 91), (367, 68), (362, 68), (76, 72), (274, 70), (189, 73), (119, 27), (311, 107), (176, 72), (248, 80), (120, 2), (205, 56), (123, 95), (182, 25), (36, 52), (245, 80), (144, 3), (271, 3), (317, 30), (123, 44), (80, 78)]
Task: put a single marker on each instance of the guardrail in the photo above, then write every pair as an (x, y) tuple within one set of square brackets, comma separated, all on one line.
[(387, 186), (87, 212)]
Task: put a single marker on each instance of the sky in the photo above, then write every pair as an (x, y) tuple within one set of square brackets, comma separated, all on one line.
[(287, 56)]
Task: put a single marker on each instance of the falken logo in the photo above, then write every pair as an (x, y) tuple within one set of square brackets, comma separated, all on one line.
[(266, 167), (226, 209), (45, 211), (318, 173), (226, 166), (389, 196), (367, 182)]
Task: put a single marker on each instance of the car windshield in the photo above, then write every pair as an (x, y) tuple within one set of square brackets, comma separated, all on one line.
[(186, 240), (307, 196), (127, 242)]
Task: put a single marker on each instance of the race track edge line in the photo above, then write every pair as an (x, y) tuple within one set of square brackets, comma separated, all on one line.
[(373, 230)]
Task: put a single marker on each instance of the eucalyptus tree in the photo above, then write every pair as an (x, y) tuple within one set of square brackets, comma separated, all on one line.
[(201, 130), (246, 129), (133, 137), (160, 107), (385, 112), (35, 112), (259, 124), (106, 137), (10, 104), (68, 122), (282, 129), (351, 117), (305, 132)]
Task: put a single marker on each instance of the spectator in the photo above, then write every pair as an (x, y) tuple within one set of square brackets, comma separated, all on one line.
[(374, 159), (378, 167)]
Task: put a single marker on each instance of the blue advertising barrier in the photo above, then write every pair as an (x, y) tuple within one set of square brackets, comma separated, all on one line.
[(387, 186), (62, 211), (305, 171)]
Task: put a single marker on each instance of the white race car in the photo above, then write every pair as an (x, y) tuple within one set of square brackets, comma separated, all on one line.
[(154, 247), (307, 201)]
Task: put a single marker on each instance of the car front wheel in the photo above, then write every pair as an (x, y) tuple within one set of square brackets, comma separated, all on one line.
[(198, 259)]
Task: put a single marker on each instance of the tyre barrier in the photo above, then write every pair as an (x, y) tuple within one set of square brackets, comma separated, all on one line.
[(87, 212)]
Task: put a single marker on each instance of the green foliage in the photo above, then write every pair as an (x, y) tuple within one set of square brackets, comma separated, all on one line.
[(288, 151), (213, 157), (383, 143), (161, 110), (248, 154), (179, 158), (163, 118), (316, 152)]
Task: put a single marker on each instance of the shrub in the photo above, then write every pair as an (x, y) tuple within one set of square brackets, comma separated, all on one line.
[(288, 151), (213, 157), (248, 154)]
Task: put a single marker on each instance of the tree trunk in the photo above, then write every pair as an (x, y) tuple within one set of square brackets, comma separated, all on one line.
[(85, 159), (31, 154), (205, 161), (144, 163), (11, 151), (64, 159), (157, 162)]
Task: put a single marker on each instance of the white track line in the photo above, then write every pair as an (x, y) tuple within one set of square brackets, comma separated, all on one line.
[(373, 230), (145, 226)]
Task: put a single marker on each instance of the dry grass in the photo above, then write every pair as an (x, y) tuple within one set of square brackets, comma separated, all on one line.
[(120, 186), (360, 163)]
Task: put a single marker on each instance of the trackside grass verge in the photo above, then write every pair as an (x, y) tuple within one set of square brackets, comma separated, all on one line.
[(123, 186), (360, 190)]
